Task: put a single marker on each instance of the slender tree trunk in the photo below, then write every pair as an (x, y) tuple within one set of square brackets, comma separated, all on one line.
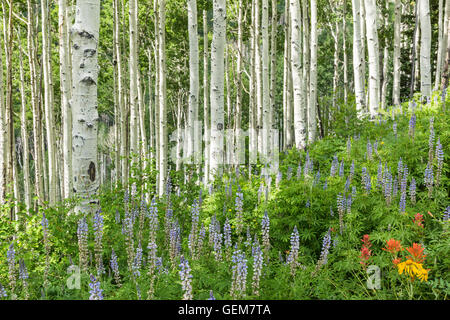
[(372, 46), (133, 74), (162, 97), (206, 97), (344, 49), (253, 134), (65, 83), (265, 81), (193, 140), (240, 142), (217, 86), (3, 136), (259, 88), (306, 58), (300, 125), (363, 53), (358, 59), (287, 139), (425, 48), (35, 106), (445, 71), (312, 121), (48, 92), (24, 133), (441, 37), (85, 35), (273, 72), (414, 51), (385, 64), (397, 64)]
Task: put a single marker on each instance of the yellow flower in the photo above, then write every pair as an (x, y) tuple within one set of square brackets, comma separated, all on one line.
[(413, 269)]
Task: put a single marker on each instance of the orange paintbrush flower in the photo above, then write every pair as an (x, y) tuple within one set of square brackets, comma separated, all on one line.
[(418, 220), (393, 246), (416, 252)]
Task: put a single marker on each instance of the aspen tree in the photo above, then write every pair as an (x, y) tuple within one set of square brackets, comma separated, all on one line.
[(85, 35), (217, 86)]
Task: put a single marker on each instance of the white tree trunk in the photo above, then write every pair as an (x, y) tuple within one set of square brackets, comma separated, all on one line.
[(32, 60), (287, 138), (48, 93), (441, 37), (240, 142), (162, 98), (259, 88), (206, 97), (3, 137), (312, 122), (133, 69), (372, 47), (193, 79), (65, 82), (217, 86), (273, 72), (265, 82), (24, 134), (425, 48), (85, 35), (397, 42), (358, 59), (300, 125)]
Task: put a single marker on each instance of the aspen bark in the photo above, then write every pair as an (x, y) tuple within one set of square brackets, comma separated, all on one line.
[(206, 98), (358, 59), (217, 86), (372, 47), (193, 141), (133, 74), (396, 60), (48, 104), (425, 48), (85, 35), (162, 98), (24, 134), (65, 83), (441, 36), (300, 124), (239, 139), (265, 82), (312, 111)]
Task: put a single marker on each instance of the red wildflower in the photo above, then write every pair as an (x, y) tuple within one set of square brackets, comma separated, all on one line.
[(393, 246), (416, 252), (365, 252), (418, 220), (366, 241), (396, 261)]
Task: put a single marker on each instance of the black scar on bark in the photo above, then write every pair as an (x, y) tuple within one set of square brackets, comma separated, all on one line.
[(88, 80), (91, 171), (85, 34), (89, 53)]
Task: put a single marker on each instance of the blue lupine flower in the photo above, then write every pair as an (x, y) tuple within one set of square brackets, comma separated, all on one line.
[(2, 292), (412, 190), (295, 246), (137, 262), (257, 268), (325, 248), (96, 292), (299, 170), (185, 276), (341, 169), (334, 165), (446, 216), (239, 274), (227, 233), (211, 296)]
